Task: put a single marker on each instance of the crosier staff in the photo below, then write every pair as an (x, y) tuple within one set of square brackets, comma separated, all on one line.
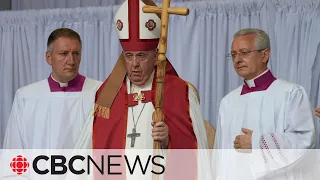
[(158, 115)]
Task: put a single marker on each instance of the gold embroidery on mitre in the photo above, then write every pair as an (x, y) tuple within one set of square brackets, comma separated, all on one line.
[(101, 111)]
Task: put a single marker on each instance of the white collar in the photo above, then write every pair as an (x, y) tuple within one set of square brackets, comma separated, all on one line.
[(61, 84), (251, 83)]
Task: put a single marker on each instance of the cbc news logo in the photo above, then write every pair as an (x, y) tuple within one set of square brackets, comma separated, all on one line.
[(19, 164)]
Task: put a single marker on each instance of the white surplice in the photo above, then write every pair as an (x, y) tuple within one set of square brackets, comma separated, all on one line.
[(282, 121), (41, 119)]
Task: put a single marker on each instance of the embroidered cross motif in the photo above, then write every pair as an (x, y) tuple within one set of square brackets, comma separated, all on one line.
[(150, 24), (139, 97), (119, 24)]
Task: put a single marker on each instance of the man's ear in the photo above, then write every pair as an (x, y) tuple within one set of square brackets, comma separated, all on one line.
[(266, 55), (48, 57)]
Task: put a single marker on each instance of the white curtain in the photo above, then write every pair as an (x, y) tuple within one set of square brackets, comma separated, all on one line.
[(197, 45), (44, 4)]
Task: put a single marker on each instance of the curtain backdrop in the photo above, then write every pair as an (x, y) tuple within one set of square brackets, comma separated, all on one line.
[(45, 4), (197, 45)]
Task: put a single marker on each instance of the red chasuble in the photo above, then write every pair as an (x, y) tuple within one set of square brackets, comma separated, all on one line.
[(111, 133)]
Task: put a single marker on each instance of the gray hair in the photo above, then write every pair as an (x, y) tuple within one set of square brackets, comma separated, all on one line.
[(50, 48), (262, 38)]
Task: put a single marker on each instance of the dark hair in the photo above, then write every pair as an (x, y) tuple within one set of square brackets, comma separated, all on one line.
[(62, 32)]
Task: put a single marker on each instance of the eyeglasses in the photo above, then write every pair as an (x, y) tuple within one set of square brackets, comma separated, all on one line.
[(243, 54)]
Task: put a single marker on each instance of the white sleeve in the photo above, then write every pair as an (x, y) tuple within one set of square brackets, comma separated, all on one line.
[(13, 140), (83, 147), (277, 151), (217, 153), (197, 120), (14, 137), (204, 168), (84, 140), (218, 140)]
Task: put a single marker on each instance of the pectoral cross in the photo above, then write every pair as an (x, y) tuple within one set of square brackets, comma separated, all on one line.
[(133, 136)]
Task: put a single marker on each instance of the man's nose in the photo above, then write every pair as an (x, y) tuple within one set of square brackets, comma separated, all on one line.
[(237, 59), (135, 62), (70, 59)]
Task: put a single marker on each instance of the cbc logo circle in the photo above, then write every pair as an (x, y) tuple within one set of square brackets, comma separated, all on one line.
[(19, 164)]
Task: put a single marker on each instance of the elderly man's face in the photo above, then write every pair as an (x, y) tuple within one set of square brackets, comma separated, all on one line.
[(140, 65), (248, 61), (64, 58)]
